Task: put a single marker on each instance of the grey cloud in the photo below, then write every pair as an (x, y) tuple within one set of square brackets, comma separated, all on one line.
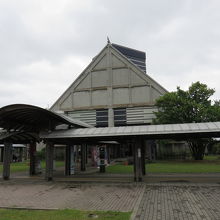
[(46, 44)]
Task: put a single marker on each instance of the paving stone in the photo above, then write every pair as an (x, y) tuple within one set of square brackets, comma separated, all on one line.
[(181, 201), (67, 195), (166, 201)]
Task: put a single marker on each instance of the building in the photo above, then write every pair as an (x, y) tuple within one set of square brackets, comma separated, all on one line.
[(113, 90)]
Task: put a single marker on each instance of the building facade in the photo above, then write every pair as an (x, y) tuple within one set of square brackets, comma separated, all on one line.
[(113, 90)]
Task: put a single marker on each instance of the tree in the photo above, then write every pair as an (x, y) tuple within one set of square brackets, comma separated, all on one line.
[(192, 105)]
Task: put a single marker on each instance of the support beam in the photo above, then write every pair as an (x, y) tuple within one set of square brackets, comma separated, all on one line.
[(7, 160), (20, 154), (49, 161), (83, 157), (143, 151), (87, 153), (137, 160), (67, 160), (2, 154), (32, 153), (102, 159), (134, 160)]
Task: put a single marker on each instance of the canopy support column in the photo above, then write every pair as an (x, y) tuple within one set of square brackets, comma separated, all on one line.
[(32, 152), (83, 157), (137, 160), (67, 160), (49, 161), (1, 154), (7, 160), (143, 151)]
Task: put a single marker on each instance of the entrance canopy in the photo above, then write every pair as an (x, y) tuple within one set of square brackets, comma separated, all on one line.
[(25, 122), (22, 123), (32, 118), (19, 137), (176, 131)]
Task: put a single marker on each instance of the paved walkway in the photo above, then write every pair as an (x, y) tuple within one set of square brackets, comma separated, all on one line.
[(43, 195), (172, 197), (179, 201)]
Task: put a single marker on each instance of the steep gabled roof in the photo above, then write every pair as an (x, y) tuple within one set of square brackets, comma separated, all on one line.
[(78, 78), (128, 55), (138, 68)]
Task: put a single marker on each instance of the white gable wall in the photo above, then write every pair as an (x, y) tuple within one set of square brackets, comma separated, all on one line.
[(110, 81)]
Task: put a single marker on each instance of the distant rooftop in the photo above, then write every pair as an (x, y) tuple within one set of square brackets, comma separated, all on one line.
[(135, 56)]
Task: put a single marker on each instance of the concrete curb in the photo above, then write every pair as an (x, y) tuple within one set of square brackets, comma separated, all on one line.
[(29, 208)]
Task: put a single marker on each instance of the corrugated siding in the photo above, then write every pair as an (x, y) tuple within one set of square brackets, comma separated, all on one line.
[(87, 116), (134, 115), (140, 115)]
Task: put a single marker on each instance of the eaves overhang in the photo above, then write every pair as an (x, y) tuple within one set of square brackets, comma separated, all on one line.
[(166, 131), (23, 117)]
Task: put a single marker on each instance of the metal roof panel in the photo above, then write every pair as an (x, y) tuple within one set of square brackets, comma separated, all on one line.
[(147, 130)]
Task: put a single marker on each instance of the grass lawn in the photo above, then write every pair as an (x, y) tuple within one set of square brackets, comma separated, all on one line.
[(13, 214), (24, 166), (212, 157), (171, 167)]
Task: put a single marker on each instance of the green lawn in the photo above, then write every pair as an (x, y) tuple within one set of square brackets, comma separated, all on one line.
[(24, 166), (13, 214), (212, 157), (171, 167), (210, 164)]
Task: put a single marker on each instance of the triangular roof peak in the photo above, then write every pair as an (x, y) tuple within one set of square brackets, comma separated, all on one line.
[(114, 66), (132, 62)]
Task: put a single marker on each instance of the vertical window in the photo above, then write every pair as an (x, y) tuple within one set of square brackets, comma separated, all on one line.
[(120, 116), (102, 118)]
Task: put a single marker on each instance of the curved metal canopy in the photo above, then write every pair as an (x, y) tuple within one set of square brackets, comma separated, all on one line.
[(18, 137), (22, 117)]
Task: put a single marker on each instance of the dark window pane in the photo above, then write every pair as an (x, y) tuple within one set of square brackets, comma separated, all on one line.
[(101, 113), (120, 117), (120, 123), (102, 124), (101, 118)]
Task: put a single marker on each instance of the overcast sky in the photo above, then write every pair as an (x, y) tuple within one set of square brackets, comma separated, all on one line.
[(46, 44)]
